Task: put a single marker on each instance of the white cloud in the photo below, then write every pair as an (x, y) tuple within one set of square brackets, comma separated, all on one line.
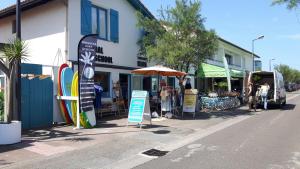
[(291, 37)]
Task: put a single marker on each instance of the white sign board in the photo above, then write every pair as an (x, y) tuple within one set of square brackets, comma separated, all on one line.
[(139, 109)]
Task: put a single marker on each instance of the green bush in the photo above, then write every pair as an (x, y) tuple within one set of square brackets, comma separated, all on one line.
[(1, 106)]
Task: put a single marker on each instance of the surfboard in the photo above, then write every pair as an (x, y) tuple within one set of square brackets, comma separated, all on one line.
[(74, 102), (74, 92), (91, 117), (61, 103), (66, 84)]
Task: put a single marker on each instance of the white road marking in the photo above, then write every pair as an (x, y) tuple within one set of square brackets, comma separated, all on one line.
[(192, 146), (193, 151), (176, 160), (242, 145)]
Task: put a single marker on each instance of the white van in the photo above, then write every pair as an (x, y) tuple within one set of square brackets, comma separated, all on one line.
[(277, 93)]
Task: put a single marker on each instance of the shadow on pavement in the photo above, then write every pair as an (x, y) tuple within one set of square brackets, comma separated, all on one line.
[(46, 134), (288, 107), (161, 132), (3, 162), (11, 147)]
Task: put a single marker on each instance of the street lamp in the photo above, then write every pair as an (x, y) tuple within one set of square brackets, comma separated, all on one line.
[(258, 38), (270, 66)]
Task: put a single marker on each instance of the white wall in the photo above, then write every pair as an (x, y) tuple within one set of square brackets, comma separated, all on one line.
[(43, 28), (123, 53), (237, 55)]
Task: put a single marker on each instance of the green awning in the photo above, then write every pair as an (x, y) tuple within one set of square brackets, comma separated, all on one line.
[(236, 73), (208, 71)]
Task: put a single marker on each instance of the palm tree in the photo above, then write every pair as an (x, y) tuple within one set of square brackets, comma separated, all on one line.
[(14, 52)]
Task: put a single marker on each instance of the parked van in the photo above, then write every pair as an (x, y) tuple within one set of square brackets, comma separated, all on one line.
[(277, 93)]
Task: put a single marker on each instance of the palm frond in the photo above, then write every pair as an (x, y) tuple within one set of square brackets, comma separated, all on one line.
[(16, 50)]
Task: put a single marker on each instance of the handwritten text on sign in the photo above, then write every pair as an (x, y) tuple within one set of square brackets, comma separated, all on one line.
[(136, 110)]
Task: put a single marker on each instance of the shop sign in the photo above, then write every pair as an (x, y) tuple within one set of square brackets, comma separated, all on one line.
[(190, 100), (86, 70), (139, 109), (100, 57)]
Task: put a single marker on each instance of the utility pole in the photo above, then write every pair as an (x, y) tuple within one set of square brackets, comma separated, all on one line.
[(253, 57), (270, 65), (18, 80)]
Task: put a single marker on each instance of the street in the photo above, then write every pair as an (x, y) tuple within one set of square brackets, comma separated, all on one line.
[(269, 139), (233, 139)]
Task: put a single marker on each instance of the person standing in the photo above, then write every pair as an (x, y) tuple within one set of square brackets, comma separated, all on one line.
[(264, 94), (253, 96), (188, 84)]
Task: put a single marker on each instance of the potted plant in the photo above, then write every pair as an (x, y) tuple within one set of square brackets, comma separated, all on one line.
[(13, 53)]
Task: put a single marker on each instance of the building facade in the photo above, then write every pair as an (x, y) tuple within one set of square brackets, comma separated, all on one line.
[(213, 72), (53, 28)]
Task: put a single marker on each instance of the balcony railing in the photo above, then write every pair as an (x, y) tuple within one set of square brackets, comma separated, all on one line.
[(221, 64)]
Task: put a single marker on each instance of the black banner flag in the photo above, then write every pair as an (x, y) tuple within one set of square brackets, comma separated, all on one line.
[(86, 70)]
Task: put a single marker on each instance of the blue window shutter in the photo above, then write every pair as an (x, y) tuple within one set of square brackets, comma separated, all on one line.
[(114, 25), (86, 17)]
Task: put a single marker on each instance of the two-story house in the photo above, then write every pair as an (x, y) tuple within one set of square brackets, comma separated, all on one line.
[(53, 29), (212, 71)]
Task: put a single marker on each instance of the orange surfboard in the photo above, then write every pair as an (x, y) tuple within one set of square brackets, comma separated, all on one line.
[(62, 104)]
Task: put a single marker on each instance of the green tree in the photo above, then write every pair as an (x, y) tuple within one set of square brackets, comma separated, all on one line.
[(178, 39), (14, 52), (291, 4), (290, 75)]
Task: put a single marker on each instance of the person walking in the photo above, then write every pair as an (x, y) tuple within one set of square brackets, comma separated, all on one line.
[(264, 94)]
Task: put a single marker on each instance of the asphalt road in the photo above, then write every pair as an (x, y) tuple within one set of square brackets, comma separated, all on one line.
[(267, 140)]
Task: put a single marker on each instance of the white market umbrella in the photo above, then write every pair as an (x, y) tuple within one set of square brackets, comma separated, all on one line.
[(158, 70)]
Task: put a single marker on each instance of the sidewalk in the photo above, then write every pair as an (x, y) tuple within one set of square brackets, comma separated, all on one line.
[(108, 143)]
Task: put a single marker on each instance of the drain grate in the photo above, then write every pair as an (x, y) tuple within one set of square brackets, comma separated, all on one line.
[(155, 152)]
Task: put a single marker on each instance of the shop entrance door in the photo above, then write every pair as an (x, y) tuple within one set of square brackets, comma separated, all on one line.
[(137, 82), (125, 83)]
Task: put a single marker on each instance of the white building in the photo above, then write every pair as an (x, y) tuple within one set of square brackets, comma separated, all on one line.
[(53, 29), (240, 61)]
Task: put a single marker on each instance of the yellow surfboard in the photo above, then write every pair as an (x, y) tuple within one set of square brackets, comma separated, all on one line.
[(74, 92)]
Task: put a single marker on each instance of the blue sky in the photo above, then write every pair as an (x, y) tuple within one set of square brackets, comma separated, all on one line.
[(240, 21)]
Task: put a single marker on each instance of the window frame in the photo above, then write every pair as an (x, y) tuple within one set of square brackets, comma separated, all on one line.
[(107, 94), (230, 59), (13, 27), (98, 21)]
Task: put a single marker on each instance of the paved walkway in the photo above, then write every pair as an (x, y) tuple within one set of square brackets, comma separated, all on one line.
[(38, 144), (111, 142)]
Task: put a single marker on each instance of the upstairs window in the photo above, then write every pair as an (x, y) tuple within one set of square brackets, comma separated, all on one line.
[(99, 22), (229, 59), (94, 20), (13, 27)]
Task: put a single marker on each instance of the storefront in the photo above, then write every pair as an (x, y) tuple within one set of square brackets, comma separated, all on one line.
[(213, 78)]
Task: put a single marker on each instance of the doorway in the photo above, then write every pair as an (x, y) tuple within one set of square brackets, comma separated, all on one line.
[(125, 83)]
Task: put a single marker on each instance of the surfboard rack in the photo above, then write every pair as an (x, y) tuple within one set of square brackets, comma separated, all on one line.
[(72, 98)]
